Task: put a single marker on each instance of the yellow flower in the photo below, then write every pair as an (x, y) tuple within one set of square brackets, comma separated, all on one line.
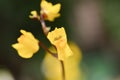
[(50, 11), (27, 45), (34, 15), (51, 66), (59, 39)]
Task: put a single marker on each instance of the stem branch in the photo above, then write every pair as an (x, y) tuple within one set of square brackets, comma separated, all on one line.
[(44, 47)]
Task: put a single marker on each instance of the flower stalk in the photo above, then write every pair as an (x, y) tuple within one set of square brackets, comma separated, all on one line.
[(46, 49), (44, 28), (63, 69)]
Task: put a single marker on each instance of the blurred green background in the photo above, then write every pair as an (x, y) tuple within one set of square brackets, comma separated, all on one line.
[(94, 25)]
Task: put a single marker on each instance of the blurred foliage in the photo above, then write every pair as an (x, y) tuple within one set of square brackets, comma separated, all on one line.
[(112, 17)]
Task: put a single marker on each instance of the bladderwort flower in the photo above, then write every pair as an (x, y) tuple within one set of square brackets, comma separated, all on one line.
[(59, 39), (48, 11), (34, 14), (51, 66), (27, 44)]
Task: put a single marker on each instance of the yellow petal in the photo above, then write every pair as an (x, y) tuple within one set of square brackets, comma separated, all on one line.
[(22, 50), (58, 38), (52, 68), (49, 10), (64, 52), (27, 45), (46, 5), (34, 15), (56, 8)]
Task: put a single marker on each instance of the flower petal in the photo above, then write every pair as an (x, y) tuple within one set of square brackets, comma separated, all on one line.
[(58, 38), (49, 10), (27, 45)]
